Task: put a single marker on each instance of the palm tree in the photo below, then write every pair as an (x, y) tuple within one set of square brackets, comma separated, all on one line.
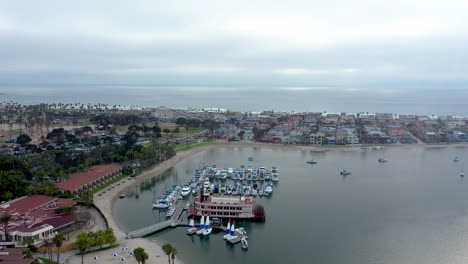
[(140, 255), (5, 219), (28, 241), (167, 248), (58, 241), (83, 243), (173, 254)]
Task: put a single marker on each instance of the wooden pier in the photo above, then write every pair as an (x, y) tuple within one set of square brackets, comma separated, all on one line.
[(172, 222)]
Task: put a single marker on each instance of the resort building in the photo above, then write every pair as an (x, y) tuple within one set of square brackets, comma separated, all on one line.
[(34, 216), (90, 179)]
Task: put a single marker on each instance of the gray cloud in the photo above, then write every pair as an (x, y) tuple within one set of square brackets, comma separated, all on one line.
[(363, 43)]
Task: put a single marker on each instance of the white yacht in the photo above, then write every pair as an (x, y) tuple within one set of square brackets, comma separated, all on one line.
[(186, 191), (269, 188), (161, 204)]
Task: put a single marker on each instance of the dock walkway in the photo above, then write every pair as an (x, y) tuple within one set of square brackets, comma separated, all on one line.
[(172, 222)]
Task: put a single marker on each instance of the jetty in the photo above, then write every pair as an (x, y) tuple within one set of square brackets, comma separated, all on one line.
[(172, 222)]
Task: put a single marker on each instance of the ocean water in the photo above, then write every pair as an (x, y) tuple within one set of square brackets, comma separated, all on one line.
[(400, 101), (412, 209)]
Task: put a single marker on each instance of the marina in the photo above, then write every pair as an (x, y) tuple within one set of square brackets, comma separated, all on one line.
[(380, 212)]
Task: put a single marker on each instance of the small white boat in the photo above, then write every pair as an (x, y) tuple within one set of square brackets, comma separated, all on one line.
[(161, 204), (269, 188), (254, 192), (192, 229), (202, 225), (228, 230), (244, 243), (208, 228), (456, 159), (381, 160), (228, 190), (462, 174), (232, 234), (345, 172), (186, 191)]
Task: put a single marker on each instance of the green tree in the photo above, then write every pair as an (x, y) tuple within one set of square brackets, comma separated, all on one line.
[(28, 241), (29, 254), (83, 243), (167, 248), (5, 219), (58, 242), (109, 236), (23, 139), (140, 255), (166, 131), (87, 198)]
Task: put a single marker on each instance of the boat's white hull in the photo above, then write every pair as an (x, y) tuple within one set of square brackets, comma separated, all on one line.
[(206, 232), (160, 206), (199, 232)]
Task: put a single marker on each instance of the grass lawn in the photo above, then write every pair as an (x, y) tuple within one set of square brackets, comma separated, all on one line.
[(108, 184), (194, 145), (47, 261)]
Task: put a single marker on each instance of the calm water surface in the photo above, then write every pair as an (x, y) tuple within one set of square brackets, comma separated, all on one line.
[(412, 209)]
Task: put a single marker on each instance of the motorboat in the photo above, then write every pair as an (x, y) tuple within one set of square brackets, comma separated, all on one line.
[(345, 172), (462, 174), (241, 175), (222, 189), (229, 190), (275, 177), (456, 159), (216, 190), (261, 192), (186, 191), (161, 204), (382, 160), (244, 243), (254, 192), (122, 195), (312, 162), (195, 191), (235, 175), (269, 188), (206, 184), (251, 159)]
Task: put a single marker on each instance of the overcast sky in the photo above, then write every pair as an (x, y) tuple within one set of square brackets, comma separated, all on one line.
[(296, 44)]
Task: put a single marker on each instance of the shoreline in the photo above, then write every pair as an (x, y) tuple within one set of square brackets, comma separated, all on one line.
[(107, 202)]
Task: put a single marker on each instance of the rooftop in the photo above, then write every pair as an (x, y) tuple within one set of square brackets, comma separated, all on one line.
[(79, 179)]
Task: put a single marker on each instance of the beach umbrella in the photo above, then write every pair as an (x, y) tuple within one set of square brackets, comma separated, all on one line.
[(96, 257), (122, 259), (130, 253), (125, 248), (115, 254)]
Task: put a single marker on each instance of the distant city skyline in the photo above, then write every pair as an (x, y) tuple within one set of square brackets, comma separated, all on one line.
[(295, 45)]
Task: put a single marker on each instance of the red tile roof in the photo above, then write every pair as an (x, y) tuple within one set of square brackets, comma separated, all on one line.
[(79, 179), (27, 203)]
